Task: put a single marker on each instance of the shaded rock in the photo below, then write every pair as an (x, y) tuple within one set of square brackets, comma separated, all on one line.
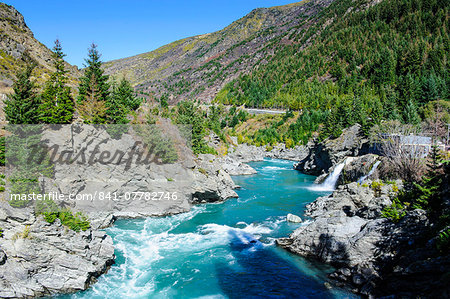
[(324, 155), (357, 168), (3, 257)]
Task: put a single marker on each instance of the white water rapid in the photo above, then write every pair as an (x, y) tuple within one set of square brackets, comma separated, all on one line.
[(330, 182)]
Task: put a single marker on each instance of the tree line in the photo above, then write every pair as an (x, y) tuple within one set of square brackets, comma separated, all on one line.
[(387, 62), (99, 100)]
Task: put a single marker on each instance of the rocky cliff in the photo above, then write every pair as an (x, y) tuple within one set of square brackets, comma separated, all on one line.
[(324, 155), (18, 46), (38, 258)]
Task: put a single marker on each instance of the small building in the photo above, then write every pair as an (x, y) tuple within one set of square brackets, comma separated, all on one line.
[(414, 144)]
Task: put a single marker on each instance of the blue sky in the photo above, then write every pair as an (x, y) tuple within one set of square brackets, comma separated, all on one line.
[(124, 28)]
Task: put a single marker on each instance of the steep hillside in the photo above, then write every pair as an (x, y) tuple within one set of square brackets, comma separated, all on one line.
[(198, 67), (370, 60), (18, 45)]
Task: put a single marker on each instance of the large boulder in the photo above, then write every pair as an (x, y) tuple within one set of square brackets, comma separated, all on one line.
[(326, 238), (293, 218), (366, 201), (42, 259), (358, 168), (235, 167)]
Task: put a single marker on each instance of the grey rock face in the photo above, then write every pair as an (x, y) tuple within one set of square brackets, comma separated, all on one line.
[(185, 181), (331, 152), (38, 258), (358, 168), (373, 256), (234, 167), (354, 199), (328, 238)]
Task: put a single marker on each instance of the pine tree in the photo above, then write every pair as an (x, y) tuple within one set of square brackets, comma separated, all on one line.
[(125, 93), (384, 69), (410, 115), (93, 89), (93, 108), (409, 89), (429, 89), (427, 191), (22, 106), (116, 108), (57, 103)]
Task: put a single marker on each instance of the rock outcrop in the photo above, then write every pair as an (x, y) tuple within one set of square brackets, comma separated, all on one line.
[(324, 155), (358, 168), (38, 258), (373, 255), (234, 162)]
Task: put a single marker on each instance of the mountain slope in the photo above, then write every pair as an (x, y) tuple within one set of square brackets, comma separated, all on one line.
[(370, 61), (198, 67), (18, 46)]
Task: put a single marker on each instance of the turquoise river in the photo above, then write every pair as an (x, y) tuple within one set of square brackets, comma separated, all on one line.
[(224, 250)]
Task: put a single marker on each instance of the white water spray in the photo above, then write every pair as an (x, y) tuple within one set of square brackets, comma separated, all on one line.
[(330, 183), (364, 177)]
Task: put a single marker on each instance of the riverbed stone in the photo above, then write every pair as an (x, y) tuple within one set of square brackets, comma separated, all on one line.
[(293, 218)]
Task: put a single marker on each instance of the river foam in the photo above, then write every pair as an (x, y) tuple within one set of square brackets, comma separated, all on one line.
[(217, 250)]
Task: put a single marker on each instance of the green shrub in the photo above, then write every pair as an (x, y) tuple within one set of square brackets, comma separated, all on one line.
[(443, 240), (395, 211), (75, 222), (240, 139), (395, 188), (51, 212), (376, 187)]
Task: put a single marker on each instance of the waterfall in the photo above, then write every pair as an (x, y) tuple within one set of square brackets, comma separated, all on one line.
[(364, 177), (330, 183)]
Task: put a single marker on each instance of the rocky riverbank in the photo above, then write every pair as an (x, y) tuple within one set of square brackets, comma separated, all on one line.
[(235, 162), (38, 258), (373, 256)]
